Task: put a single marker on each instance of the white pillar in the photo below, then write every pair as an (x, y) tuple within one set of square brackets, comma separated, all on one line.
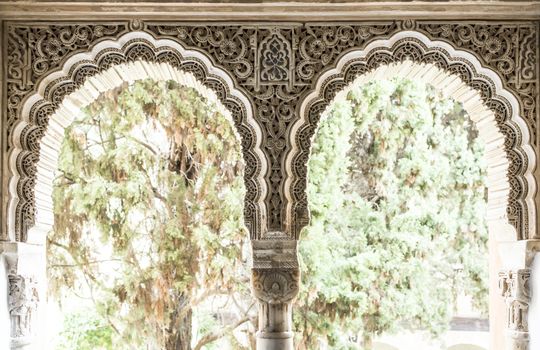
[(515, 287), (275, 284), (534, 308), (26, 281), (5, 328)]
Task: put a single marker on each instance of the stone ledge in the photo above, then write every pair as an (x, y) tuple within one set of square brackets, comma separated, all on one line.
[(273, 11)]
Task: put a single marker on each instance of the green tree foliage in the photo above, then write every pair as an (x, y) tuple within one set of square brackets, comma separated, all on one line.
[(85, 330), (397, 197), (148, 213)]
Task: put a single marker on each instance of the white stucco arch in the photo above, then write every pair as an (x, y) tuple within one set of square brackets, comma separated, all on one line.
[(108, 79), (453, 87)]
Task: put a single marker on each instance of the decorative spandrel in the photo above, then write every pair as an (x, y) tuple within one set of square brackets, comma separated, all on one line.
[(276, 65), (509, 49), (34, 51)]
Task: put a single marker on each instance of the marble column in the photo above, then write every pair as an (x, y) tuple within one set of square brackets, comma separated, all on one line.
[(24, 275), (514, 287), (517, 258), (275, 284)]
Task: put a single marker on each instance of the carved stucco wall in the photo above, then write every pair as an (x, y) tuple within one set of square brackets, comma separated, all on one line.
[(276, 66), (131, 47), (130, 72), (460, 67)]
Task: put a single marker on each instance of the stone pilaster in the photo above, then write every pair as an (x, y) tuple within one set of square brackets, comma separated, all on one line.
[(275, 284), (514, 287), (25, 280), (23, 300)]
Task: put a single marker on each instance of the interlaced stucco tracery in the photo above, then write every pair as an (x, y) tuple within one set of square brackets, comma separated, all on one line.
[(276, 66), (412, 47), (276, 79)]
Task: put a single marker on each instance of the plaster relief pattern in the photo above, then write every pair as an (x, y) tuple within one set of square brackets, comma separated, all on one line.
[(36, 50), (22, 303), (276, 65), (515, 289), (509, 49)]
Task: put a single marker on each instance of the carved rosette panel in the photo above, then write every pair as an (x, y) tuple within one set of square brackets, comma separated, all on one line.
[(276, 65), (514, 288)]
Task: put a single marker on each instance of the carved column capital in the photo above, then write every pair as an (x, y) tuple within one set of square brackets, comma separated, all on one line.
[(275, 273), (275, 286), (514, 287), (275, 283)]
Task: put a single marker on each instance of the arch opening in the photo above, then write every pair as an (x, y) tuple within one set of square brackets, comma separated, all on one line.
[(393, 159), (152, 247), (72, 104), (510, 157)]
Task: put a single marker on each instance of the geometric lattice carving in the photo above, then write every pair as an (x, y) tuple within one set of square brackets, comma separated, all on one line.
[(276, 66)]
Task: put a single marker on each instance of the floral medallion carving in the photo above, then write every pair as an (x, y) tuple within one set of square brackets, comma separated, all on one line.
[(276, 65), (275, 54), (275, 286)]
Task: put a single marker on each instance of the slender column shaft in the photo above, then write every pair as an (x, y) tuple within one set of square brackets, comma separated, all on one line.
[(514, 287), (23, 277), (275, 327), (275, 282)]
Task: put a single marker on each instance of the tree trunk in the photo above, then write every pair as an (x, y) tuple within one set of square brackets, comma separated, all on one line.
[(367, 341), (184, 333), (179, 332)]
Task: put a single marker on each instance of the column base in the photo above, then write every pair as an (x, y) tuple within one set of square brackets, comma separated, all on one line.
[(25, 343), (516, 340), (275, 341)]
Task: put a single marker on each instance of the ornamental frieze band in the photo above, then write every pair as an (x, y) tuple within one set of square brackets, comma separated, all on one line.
[(276, 66)]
